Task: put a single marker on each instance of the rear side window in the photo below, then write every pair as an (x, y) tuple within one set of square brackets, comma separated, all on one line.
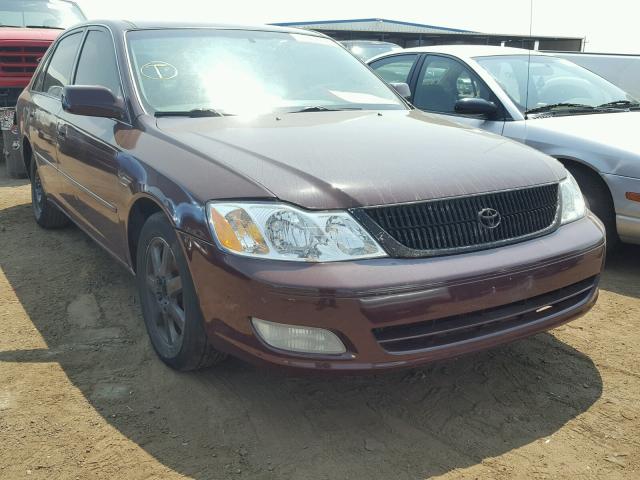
[(61, 65), (97, 64), (37, 81), (395, 69)]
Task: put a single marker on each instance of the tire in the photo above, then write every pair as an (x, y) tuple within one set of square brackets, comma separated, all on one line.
[(47, 215), (170, 305), (599, 201), (14, 167), (13, 162)]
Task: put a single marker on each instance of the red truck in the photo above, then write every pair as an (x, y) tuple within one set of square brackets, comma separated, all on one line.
[(27, 28)]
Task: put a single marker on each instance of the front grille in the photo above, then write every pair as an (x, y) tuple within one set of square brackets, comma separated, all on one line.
[(20, 61), (460, 328), (445, 226)]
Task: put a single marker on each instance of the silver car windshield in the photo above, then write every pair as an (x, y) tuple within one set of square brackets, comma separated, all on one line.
[(550, 81), (243, 72), (366, 51), (57, 14)]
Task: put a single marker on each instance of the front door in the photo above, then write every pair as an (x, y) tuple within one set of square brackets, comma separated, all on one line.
[(87, 154), (443, 81)]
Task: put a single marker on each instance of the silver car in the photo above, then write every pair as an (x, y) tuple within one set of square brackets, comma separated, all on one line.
[(549, 103)]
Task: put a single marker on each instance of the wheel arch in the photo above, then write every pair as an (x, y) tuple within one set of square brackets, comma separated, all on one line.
[(140, 210), (604, 207), (574, 163)]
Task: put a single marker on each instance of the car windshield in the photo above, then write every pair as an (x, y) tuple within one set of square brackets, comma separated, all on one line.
[(39, 14), (242, 72), (366, 51), (550, 81)]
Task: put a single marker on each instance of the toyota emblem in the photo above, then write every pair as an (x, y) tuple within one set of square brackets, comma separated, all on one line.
[(489, 218)]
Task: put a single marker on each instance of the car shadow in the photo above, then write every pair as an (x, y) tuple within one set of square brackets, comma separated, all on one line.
[(240, 421)]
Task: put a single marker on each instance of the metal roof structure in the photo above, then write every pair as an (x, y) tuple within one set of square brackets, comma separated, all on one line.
[(410, 34), (378, 25)]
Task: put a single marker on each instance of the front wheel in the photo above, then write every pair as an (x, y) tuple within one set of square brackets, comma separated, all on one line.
[(170, 305)]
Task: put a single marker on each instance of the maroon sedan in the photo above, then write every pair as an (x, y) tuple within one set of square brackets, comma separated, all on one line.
[(278, 202)]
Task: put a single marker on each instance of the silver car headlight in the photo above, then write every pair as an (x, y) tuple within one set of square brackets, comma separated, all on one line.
[(282, 232), (573, 204)]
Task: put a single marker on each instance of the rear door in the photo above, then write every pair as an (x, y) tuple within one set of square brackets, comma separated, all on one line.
[(88, 153), (41, 113), (442, 81)]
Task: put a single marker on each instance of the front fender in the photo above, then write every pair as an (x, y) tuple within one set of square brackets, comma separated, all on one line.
[(181, 208)]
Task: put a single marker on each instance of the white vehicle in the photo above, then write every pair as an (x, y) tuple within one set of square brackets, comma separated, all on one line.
[(549, 103)]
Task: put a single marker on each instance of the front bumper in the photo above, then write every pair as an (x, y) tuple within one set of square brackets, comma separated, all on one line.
[(386, 310), (627, 211)]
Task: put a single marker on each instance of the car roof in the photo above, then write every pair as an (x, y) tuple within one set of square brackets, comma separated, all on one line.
[(469, 51), (128, 25)]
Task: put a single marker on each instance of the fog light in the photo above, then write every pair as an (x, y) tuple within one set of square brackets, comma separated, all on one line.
[(298, 339)]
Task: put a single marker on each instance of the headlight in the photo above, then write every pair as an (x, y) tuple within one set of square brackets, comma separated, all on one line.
[(282, 232), (573, 206)]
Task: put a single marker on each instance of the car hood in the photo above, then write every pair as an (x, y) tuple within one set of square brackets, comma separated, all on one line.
[(610, 137), (326, 160)]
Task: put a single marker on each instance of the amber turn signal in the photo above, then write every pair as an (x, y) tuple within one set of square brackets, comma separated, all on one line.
[(225, 232), (236, 231), (633, 196)]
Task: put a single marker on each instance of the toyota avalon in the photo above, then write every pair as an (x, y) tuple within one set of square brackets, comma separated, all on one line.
[(278, 202)]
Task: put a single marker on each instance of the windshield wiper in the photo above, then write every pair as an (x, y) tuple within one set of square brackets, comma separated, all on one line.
[(45, 26), (320, 108), (621, 104), (196, 112), (553, 106)]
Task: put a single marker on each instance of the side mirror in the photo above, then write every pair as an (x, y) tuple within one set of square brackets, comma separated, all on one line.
[(92, 101), (476, 106), (403, 89)]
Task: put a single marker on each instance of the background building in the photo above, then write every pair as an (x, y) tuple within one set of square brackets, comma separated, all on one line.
[(407, 34)]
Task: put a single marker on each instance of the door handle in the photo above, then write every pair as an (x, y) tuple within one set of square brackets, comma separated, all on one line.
[(62, 130)]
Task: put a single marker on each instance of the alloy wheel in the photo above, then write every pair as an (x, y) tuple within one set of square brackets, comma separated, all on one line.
[(164, 292), (38, 194)]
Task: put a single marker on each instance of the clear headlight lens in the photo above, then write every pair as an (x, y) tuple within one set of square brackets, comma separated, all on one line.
[(282, 232), (573, 205), (298, 339)]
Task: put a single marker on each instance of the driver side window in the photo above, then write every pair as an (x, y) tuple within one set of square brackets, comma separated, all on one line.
[(443, 81), (58, 72), (97, 65)]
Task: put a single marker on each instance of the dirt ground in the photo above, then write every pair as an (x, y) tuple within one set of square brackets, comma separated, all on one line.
[(83, 396)]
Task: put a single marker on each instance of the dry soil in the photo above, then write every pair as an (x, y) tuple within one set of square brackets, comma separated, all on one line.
[(83, 396)]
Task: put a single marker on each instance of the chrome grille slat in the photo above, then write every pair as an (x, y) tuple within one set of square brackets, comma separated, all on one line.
[(452, 224), (20, 60)]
